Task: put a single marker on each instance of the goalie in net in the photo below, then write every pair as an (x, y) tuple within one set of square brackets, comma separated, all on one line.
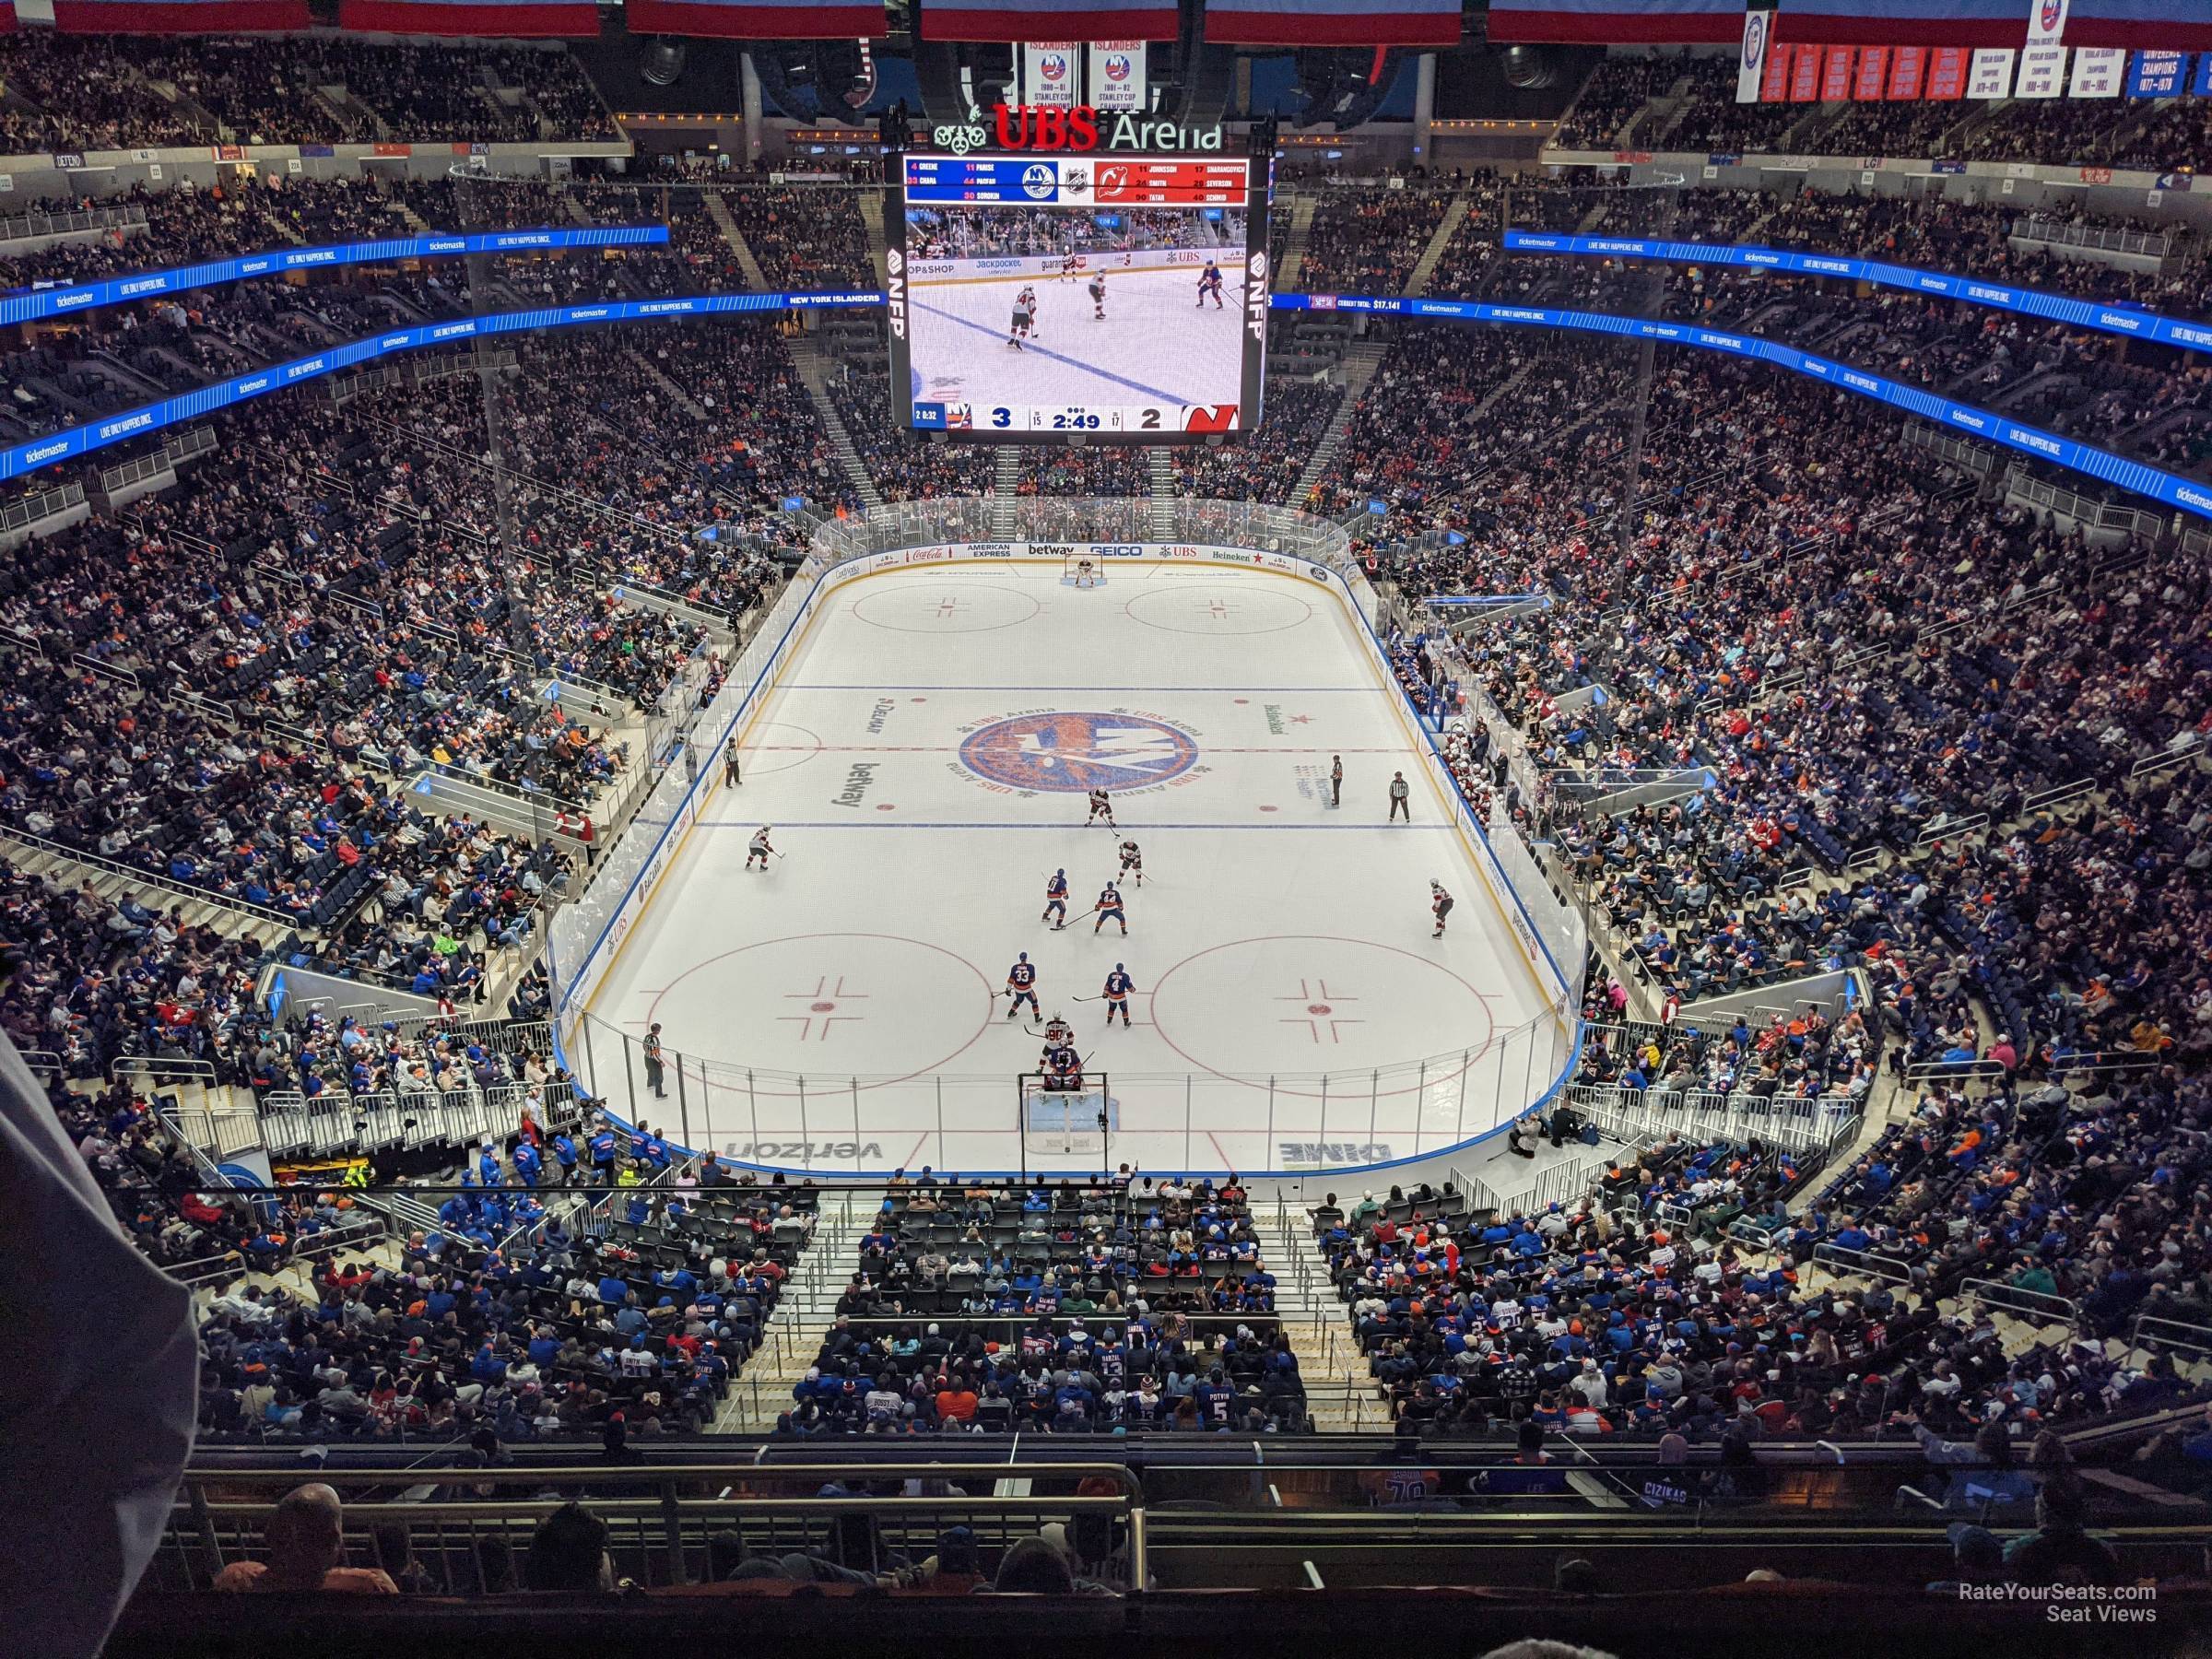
[(1082, 569)]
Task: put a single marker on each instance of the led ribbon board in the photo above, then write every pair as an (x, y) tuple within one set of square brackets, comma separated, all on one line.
[(2131, 321), (191, 405), (437, 245), (2169, 488)]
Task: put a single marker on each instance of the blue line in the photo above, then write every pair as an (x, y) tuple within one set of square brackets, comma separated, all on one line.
[(1104, 374)]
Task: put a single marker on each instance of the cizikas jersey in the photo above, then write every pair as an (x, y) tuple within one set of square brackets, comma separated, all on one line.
[(1021, 976), (1056, 888), (1118, 986)]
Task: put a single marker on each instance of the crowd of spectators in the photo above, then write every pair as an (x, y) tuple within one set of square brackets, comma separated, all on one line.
[(1649, 1308), (1069, 1308), (83, 92), (505, 1319), (1616, 90), (1368, 241), (805, 237)]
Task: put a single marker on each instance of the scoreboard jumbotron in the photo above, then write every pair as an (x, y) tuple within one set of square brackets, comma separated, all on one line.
[(1116, 297)]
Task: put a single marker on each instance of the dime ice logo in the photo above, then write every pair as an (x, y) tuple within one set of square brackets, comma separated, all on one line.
[(1072, 753)]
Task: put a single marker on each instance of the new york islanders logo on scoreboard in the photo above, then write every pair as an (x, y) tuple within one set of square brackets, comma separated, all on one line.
[(1070, 753)]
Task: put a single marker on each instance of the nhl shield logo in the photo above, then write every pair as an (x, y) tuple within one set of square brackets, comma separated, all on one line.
[(1071, 753)]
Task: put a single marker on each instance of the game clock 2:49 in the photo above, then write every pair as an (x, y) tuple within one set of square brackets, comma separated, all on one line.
[(1083, 417)]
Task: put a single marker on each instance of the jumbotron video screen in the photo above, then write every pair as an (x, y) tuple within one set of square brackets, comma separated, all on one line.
[(1117, 297)]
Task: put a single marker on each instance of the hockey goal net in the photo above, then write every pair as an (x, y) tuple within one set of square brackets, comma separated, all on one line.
[(1061, 1121), (1082, 569)]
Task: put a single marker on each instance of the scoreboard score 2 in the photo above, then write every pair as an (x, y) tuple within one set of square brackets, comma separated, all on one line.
[(1040, 297)]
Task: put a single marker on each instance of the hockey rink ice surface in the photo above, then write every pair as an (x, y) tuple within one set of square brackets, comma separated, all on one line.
[(1155, 346), (924, 758)]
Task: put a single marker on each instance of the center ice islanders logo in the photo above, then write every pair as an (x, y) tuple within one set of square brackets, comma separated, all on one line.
[(1072, 753)]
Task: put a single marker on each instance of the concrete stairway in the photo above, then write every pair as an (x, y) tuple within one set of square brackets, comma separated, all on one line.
[(1360, 366), (815, 368), (871, 215), (109, 885), (804, 1313), (675, 393), (719, 211), (1162, 468), (1425, 267), (1294, 243), (1006, 503)]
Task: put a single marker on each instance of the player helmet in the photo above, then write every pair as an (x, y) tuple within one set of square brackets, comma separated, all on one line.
[(1023, 957), (1436, 884), (1118, 968)]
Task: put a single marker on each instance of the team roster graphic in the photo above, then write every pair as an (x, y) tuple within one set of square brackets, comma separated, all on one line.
[(1115, 296)]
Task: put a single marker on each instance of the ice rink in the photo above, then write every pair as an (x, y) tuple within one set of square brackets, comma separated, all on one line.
[(1155, 346), (924, 758)]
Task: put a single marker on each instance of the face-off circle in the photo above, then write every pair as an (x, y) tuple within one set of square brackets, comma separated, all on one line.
[(1271, 1011), (1072, 753)]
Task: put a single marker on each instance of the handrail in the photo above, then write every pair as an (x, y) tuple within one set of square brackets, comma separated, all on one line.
[(167, 884), (2013, 1298)]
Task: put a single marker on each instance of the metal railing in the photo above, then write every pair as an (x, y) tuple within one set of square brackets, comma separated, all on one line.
[(28, 510), (1797, 1124), (261, 915), (664, 1522), (2040, 1305)]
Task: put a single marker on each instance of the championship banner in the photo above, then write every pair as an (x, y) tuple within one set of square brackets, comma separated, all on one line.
[(2159, 74), (1804, 75), (1872, 84), (1835, 73), (1908, 68), (1990, 76), (2047, 22), (454, 19), (1048, 73), (2043, 72), (1776, 87), (2097, 71), (1117, 75), (1759, 40), (1946, 72)]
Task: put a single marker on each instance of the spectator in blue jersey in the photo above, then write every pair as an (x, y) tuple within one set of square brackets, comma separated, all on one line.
[(528, 1161), (603, 1156), (564, 1157)]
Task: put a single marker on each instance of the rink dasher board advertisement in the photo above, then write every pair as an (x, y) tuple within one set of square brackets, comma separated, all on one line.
[(1034, 298)]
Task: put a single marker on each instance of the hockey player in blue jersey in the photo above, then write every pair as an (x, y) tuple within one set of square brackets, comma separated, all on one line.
[(1021, 986), (1209, 282), (1055, 901), (1118, 986), (1110, 907)]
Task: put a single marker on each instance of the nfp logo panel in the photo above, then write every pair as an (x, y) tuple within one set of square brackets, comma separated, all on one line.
[(1075, 752)]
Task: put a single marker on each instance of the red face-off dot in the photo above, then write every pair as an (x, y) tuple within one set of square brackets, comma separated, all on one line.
[(821, 1007), (1317, 1008)]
